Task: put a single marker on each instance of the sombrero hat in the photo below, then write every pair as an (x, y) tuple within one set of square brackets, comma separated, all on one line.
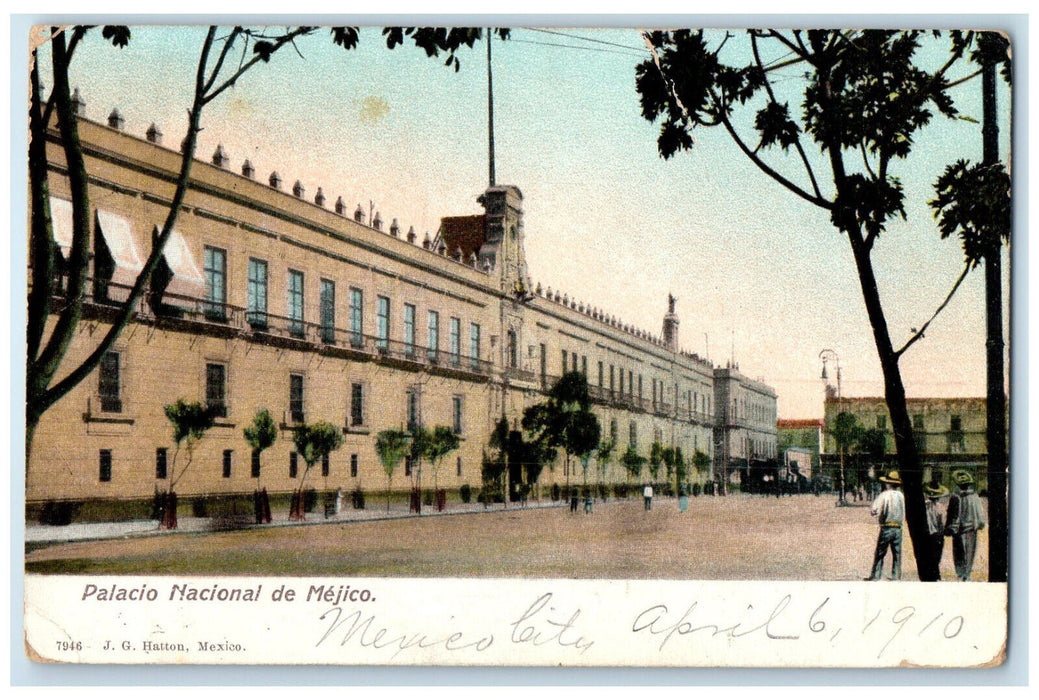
[(936, 491), (891, 478), (962, 477)]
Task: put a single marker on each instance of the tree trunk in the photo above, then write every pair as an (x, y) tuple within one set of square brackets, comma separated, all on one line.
[(901, 425), (995, 397)]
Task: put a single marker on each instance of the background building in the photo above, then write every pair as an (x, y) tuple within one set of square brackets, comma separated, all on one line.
[(803, 435), (745, 427), (272, 297), (949, 434)]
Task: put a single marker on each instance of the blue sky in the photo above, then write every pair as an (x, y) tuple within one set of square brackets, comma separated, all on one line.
[(759, 276)]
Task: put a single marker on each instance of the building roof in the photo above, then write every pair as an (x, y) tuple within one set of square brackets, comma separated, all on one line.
[(466, 232), (798, 423)]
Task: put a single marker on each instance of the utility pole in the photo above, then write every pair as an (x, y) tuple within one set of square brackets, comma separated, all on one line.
[(490, 111), (996, 423)]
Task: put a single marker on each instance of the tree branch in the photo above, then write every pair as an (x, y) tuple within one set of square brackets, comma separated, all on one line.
[(126, 311), (920, 333), (278, 43), (41, 248), (808, 197), (228, 45), (797, 142)]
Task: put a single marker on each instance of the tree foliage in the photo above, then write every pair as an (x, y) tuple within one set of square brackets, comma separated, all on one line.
[(262, 432), (190, 421), (565, 420), (633, 462)]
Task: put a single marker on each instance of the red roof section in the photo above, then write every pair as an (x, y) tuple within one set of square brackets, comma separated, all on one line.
[(798, 423), (466, 232)]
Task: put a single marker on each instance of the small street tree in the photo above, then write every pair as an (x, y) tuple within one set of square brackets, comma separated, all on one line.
[(603, 455), (633, 463), (314, 442), (565, 419), (440, 442), (681, 471), (190, 422), (863, 97), (392, 446), (701, 462), (656, 458), (259, 435)]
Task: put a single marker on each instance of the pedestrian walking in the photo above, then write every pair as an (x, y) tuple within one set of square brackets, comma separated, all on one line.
[(647, 495), (683, 498), (965, 517), (936, 518), (890, 509)]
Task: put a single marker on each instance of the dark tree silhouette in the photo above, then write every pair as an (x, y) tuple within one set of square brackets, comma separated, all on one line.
[(863, 98)]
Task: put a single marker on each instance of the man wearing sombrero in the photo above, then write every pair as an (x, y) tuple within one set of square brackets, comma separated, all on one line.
[(936, 517), (890, 509), (965, 517)]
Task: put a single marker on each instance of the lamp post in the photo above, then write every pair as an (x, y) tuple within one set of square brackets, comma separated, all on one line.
[(826, 356)]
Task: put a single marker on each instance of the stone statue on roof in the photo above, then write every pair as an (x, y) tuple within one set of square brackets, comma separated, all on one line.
[(671, 303)]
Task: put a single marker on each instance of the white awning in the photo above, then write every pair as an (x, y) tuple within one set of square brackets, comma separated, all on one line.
[(187, 281), (61, 224), (119, 239)]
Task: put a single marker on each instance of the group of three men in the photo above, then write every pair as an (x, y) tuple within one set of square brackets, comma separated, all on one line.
[(963, 518)]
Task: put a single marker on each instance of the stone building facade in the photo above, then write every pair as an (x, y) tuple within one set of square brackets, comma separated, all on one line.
[(745, 424), (272, 297), (950, 433)]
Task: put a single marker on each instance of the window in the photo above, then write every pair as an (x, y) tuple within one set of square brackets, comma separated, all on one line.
[(456, 414), (356, 403), (956, 441), (456, 339), (227, 464), (257, 294), (411, 409), (511, 349), (543, 362), (633, 435), (255, 472), (356, 317), (296, 303), (216, 389), (458, 466), (573, 362), (622, 382), (325, 465), (433, 339), (407, 465), (160, 463), (293, 465), (328, 311), (296, 398), (562, 366), (474, 345), (382, 324), (600, 374), (640, 387), (409, 330), (108, 383), (955, 423), (631, 382), (353, 466), (611, 380), (613, 431), (105, 465), (216, 283), (584, 366)]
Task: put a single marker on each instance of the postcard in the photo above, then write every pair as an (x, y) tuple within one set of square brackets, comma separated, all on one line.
[(525, 346)]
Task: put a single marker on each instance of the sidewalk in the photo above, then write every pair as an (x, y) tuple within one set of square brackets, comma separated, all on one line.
[(81, 532)]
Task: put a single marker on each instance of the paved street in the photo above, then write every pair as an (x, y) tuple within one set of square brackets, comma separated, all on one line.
[(733, 537)]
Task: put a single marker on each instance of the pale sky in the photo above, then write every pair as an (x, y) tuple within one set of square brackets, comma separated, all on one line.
[(759, 276)]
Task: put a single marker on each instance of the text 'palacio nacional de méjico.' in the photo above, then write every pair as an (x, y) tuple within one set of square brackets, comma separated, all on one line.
[(269, 298)]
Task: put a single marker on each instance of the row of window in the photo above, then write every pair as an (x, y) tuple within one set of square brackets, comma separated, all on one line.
[(227, 463), (257, 309), (110, 393)]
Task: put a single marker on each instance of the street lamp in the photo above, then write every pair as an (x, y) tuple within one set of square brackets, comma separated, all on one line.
[(826, 356)]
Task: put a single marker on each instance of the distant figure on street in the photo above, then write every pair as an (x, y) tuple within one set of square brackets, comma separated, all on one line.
[(936, 517), (965, 517), (890, 509), (647, 495), (683, 498)]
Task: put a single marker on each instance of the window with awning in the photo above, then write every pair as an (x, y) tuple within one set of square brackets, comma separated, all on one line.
[(185, 281), (117, 261), (61, 224)]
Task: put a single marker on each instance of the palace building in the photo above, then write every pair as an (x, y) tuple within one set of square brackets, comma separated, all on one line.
[(271, 297)]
